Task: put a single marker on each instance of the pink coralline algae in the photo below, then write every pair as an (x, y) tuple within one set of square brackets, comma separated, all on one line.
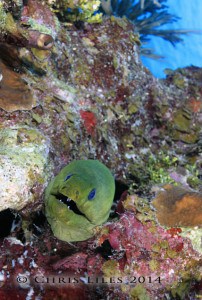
[(151, 252), (74, 262), (141, 253), (81, 262)]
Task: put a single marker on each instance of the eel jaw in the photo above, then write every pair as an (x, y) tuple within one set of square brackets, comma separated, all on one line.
[(71, 204)]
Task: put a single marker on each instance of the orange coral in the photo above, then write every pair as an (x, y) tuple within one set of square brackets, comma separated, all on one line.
[(14, 93), (177, 206)]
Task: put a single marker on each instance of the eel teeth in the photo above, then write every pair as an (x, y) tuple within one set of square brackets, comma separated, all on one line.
[(71, 204), (66, 200)]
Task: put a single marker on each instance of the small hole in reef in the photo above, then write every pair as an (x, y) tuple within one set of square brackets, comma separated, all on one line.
[(8, 222), (105, 250), (120, 188), (38, 223), (48, 40), (199, 176), (21, 236), (46, 43), (79, 25)]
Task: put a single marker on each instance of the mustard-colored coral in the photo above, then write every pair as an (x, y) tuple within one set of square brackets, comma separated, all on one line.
[(14, 92), (79, 10), (177, 206)]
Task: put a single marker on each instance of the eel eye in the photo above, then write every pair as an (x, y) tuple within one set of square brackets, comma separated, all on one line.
[(68, 176), (91, 195)]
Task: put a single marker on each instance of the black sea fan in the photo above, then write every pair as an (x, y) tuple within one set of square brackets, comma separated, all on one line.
[(148, 17)]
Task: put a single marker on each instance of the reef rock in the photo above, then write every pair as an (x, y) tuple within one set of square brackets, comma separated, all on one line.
[(14, 93), (25, 167), (177, 206)]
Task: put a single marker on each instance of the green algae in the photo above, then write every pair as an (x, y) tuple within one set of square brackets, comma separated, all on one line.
[(195, 235), (17, 142), (110, 268), (122, 22), (81, 10), (182, 288), (181, 122), (139, 293), (37, 118), (194, 182), (188, 138), (44, 28), (158, 168)]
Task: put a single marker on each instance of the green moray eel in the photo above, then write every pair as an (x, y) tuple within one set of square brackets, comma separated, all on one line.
[(78, 199)]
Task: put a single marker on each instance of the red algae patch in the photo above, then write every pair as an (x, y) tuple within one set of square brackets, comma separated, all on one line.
[(89, 121), (176, 206), (14, 93)]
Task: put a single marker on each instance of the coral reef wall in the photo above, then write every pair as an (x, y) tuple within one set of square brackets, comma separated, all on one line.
[(79, 91), (91, 93)]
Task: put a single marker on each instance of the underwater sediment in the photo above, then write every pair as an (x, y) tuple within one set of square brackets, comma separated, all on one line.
[(72, 92)]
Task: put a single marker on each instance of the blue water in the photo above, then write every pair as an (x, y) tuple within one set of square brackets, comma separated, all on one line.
[(183, 54)]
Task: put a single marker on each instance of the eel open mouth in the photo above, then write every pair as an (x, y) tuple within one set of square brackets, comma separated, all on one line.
[(70, 204)]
